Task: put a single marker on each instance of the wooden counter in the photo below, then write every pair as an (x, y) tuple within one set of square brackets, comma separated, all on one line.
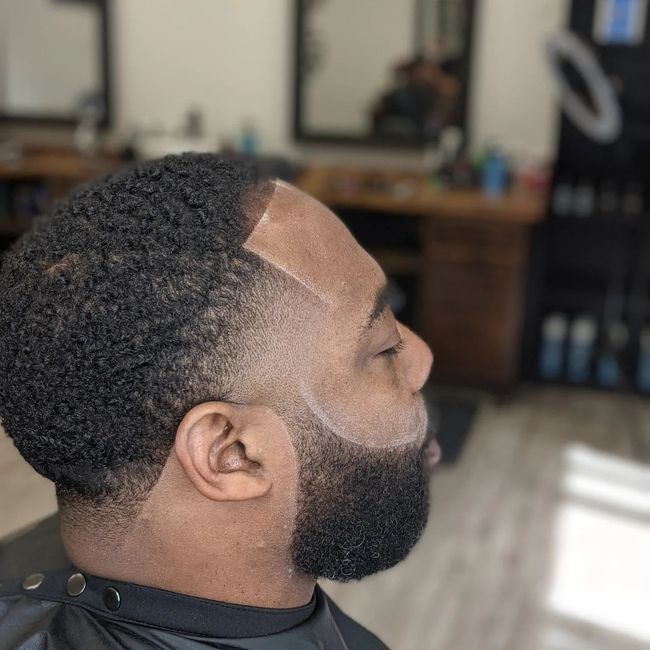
[(471, 258), (348, 188), (60, 163)]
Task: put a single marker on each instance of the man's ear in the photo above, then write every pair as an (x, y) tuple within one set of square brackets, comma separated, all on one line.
[(217, 447)]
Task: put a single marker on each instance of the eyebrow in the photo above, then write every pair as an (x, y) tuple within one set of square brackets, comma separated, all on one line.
[(379, 305)]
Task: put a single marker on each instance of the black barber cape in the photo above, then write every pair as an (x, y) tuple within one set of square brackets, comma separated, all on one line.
[(67, 610)]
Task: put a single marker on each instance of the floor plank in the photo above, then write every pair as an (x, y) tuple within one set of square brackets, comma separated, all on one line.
[(25, 497)]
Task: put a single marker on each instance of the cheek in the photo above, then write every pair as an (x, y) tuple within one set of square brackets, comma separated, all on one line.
[(369, 408), (372, 405)]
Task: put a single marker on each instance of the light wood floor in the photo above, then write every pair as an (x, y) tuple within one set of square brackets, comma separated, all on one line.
[(539, 538), (25, 497)]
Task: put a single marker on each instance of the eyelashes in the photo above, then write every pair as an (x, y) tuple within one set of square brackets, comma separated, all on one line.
[(394, 351)]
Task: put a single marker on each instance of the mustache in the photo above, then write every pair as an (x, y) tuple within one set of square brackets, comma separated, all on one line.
[(422, 421)]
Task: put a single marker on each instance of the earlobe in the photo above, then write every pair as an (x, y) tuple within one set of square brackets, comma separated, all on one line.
[(214, 446)]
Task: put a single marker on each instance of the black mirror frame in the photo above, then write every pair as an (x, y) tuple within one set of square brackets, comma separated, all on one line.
[(303, 136), (106, 81)]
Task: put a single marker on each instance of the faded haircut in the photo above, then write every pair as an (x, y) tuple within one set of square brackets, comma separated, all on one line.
[(129, 304)]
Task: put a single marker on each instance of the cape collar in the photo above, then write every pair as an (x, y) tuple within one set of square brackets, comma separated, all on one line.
[(163, 609)]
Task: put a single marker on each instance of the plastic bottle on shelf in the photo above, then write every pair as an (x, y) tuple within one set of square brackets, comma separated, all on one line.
[(551, 357), (581, 346), (494, 176), (248, 139), (643, 369), (608, 371)]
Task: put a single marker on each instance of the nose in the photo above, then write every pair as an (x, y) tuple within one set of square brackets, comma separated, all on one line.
[(418, 359)]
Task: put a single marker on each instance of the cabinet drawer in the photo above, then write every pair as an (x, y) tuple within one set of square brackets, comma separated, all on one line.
[(467, 289), (480, 350), (468, 242)]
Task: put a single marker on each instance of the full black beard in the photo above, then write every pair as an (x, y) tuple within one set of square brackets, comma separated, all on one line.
[(360, 510)]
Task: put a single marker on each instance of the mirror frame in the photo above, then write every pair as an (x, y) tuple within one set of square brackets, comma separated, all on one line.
[(103, 42), (300, 134)]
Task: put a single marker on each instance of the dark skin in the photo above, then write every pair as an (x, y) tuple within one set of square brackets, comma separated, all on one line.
[(219, 522)]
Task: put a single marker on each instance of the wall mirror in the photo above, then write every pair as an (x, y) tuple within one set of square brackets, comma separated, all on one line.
[(54, 61), (380, 71)]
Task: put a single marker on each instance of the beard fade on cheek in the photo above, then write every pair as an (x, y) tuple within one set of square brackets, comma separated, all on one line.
[(360, 510)]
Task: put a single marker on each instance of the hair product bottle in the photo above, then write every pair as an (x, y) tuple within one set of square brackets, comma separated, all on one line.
[(551, 357), (581, 346)]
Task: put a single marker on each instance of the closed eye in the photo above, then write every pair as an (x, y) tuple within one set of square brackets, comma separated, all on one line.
[(393, 351)]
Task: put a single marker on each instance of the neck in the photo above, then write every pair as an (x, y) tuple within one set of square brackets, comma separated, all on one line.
[(234, 552), (260, 579)]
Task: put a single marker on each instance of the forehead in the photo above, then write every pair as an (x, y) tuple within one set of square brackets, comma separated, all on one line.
[(299, 235)]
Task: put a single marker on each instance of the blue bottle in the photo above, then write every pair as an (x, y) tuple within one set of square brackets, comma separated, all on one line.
[(581, 347), (551, 355), (248, 140), (494, 177)]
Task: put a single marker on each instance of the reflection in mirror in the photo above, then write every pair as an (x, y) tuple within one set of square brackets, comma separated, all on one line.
[(50, 59), (381, 69)]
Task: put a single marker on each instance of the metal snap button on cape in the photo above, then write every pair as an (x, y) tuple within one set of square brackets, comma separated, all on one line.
[(112, 598), (76, 584), (33, 581)]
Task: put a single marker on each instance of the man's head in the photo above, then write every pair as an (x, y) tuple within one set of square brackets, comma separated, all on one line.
[(186, 314)]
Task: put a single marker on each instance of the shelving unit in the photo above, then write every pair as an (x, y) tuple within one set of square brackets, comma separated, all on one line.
[(598, 268), (598, 264)]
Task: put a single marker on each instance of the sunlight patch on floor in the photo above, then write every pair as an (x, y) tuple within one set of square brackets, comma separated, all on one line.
[(601, 555)]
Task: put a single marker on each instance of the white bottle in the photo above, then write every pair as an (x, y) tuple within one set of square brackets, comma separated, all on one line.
[(581, 346), (551, 356)]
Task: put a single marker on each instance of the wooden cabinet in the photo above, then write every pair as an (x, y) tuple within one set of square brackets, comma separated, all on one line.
[(471, 299)]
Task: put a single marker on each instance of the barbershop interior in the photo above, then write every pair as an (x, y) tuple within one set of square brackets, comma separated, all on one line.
[(493, 156)]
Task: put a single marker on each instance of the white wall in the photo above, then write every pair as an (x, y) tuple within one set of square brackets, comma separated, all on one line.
[(356, 65), (512, 99), (49, 56), (229, 57), (234, 59)]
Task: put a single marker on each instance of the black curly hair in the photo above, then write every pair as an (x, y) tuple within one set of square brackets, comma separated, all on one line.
[(126, 306)]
